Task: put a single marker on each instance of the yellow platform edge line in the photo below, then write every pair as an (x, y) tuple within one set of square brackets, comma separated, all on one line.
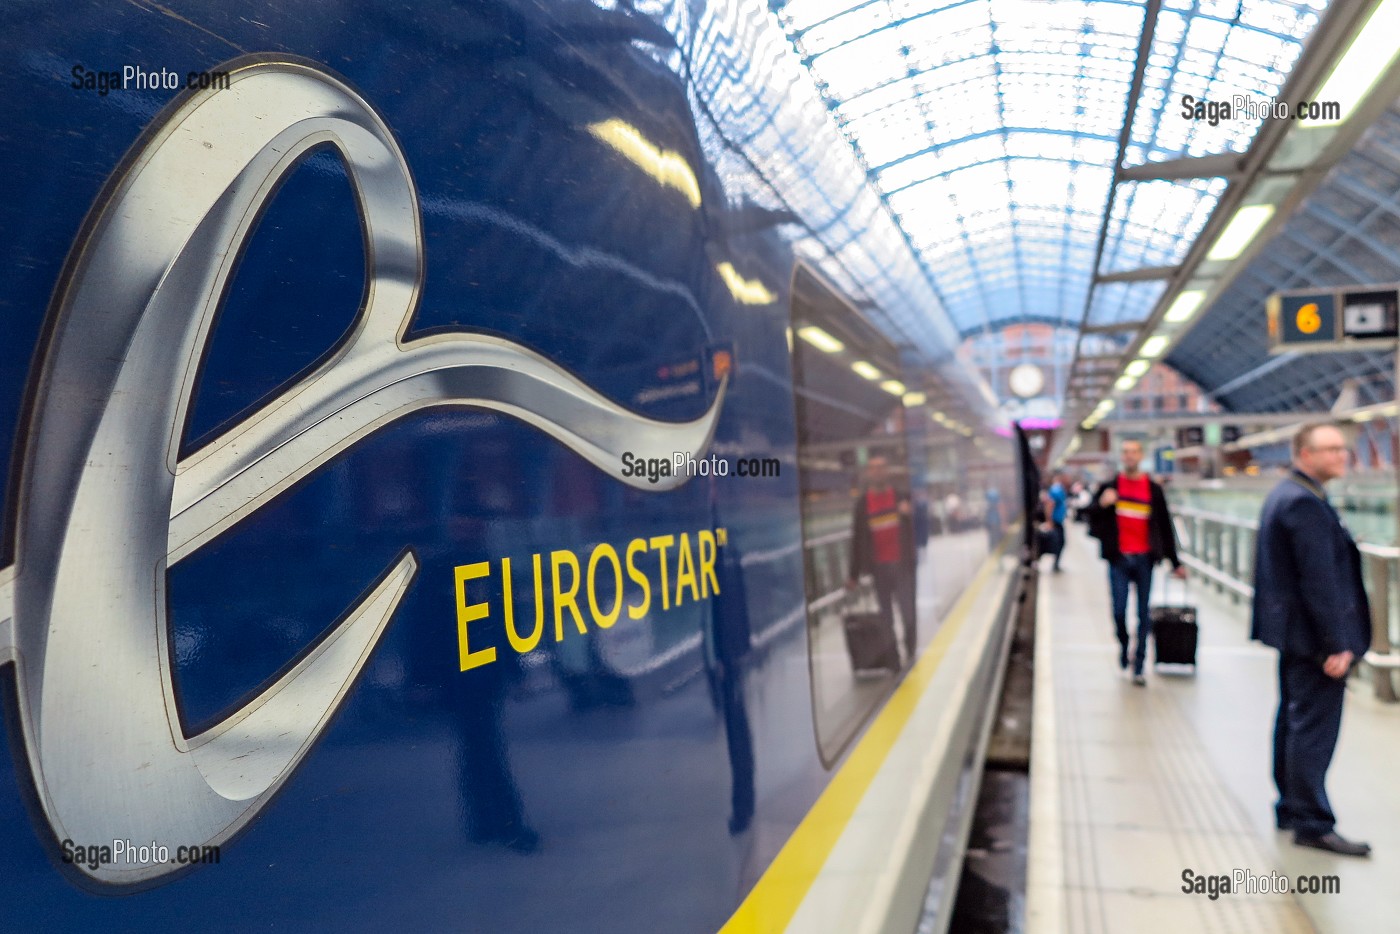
[(774, 899)]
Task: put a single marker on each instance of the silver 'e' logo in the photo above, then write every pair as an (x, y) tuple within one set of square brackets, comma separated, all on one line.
[(105, 505)]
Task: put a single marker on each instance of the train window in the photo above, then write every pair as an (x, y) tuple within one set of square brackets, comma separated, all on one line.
[(858, 516)]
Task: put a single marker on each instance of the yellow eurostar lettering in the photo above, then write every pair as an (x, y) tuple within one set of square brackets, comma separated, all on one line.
[(637, 611), (707, 563), (694, 575), (528, 643), (601, 619), (470, 613), (661, 543), (565, 598), (685, 570)]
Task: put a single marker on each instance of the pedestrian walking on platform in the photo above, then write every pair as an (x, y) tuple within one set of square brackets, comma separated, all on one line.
[(1058, 507), (1310, 605), (1130, 519)]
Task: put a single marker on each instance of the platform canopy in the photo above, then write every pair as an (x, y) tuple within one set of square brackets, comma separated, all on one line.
[(1040, 155)]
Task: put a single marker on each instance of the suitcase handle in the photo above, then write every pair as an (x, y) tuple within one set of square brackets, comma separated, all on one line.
[(861, 598), (1166, 587)]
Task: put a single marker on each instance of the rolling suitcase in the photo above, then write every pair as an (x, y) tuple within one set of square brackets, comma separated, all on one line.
[(870, 642), (1174, 633)]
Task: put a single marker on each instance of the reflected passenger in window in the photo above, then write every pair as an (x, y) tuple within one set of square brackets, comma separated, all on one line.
[(882, 545), (730, 640)]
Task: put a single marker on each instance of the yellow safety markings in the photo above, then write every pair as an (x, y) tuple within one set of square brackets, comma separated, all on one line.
[(774, 899)]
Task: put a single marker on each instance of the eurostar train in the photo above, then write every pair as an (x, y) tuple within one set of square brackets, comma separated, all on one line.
[(436, 441)]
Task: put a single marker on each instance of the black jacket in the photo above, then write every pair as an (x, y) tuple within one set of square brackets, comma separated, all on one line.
[(1308, 596), (1161, 537)]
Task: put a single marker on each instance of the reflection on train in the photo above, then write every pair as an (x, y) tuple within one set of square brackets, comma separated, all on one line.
[(315, 398)]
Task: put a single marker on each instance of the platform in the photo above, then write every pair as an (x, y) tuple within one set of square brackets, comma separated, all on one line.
[(1131, 786)]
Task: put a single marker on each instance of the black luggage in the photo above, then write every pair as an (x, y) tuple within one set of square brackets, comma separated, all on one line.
[(1174, 633), (870, 642)]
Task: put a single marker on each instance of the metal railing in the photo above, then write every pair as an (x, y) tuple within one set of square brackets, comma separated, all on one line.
[(1220, 549), (828, 560)]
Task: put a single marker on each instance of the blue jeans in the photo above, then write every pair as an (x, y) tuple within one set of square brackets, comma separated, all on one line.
[(1135, 570)]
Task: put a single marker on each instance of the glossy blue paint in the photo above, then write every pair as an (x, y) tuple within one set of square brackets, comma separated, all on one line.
[(586, 785)]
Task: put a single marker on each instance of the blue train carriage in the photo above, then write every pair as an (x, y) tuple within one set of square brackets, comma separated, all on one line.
[(412, 516)]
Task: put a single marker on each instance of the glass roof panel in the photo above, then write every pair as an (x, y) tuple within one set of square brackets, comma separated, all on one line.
[(991, 128)]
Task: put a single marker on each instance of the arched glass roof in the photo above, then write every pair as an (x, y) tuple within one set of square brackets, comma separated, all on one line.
[(1347, 231), (992, 130)]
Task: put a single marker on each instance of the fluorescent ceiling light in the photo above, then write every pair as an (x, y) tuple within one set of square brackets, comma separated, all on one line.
[(914, 398), (1185, 305), (1124, 383), (1241, 229), (893, 387), (1154, 345), (1137, 367), (1106, 406), (669, 169), (745, 291), (820, 339), (1367, 56), (865, 369)]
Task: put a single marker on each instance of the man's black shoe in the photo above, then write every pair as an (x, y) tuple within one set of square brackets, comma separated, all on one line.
[(1123, 657), (1333, 842)]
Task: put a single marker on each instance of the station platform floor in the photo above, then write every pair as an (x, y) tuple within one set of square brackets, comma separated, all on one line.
[(1131, 786)]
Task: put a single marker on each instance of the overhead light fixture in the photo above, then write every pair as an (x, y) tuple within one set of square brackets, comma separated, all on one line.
[(939, 416), (1185, 305), (667, 168), (1369, 54), (1106, 405), (745, 291), (893, 386), (866, 370), (1124, 383), (820, 339), (912, 399), (1137, 367), (1240, 231), (1153, 346)]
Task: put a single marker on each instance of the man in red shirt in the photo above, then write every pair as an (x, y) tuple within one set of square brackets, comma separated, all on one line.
[(881, 546), (1130, 519)]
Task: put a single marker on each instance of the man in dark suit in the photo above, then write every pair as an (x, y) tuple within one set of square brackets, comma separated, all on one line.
[(1309, 603)]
